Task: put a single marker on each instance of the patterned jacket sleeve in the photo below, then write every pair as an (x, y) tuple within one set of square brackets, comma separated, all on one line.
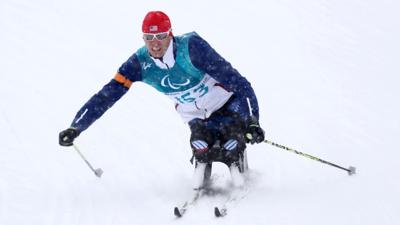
[(205, 58), (99, 103)]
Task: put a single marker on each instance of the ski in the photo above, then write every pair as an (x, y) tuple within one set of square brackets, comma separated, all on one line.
[(220, 212), (234, 198), (180, 211)]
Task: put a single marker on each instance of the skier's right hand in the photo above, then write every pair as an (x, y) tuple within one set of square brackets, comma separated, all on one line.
[(67, 137)]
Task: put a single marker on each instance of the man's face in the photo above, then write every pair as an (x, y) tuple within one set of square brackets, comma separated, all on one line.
[(157, 44)]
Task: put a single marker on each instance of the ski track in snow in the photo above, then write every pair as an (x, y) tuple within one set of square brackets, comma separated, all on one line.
[(325, 74)]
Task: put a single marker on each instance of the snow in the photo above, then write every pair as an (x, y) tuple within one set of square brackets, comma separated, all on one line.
[(326, 74)]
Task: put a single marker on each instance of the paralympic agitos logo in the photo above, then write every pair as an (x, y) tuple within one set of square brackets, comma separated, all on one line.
[(166, 82)]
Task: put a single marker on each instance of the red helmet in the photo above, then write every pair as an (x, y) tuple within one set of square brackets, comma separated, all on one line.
[(156, 22)]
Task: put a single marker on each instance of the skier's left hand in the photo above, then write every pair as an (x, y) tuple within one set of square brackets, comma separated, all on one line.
[(254, 133)]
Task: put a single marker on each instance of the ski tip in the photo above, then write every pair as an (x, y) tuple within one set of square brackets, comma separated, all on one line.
[(177, 212), (219, 213)]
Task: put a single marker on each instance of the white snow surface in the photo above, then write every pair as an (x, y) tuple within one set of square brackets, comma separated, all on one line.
[(326, 74)]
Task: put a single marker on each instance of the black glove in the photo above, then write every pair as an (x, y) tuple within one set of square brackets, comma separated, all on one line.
[(254, 133), (67, 137)]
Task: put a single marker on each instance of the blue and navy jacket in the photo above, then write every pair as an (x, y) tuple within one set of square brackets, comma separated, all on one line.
[(203, 58)]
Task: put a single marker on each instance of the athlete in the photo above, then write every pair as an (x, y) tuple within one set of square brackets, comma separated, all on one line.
[(218, 104)]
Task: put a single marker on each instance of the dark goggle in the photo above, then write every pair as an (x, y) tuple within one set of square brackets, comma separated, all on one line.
[(159, 36)]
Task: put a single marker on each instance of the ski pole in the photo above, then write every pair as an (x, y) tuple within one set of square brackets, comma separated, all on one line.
[(98, 172), (351, 170)]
